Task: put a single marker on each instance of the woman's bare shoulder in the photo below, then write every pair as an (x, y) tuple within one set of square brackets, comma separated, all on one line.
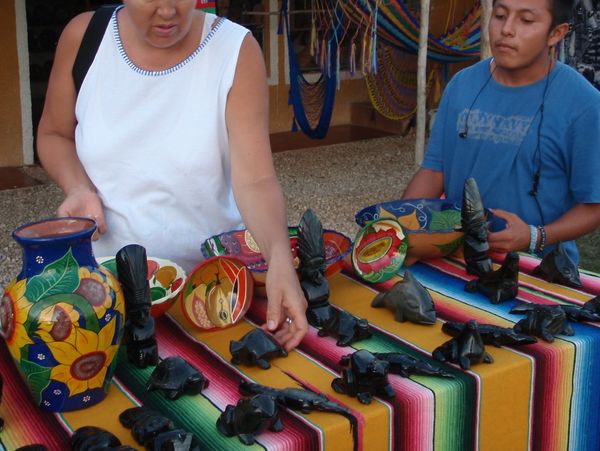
[(74, 30)]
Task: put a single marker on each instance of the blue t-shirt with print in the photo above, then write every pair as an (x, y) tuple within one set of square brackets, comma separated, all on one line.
[(499, 149)]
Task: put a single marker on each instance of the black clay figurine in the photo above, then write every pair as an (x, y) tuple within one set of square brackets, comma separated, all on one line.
[(311, 252), (544, 321), (405, 365), (92, 437), (139, 335), (346, 327), (250, 417), (499, 285), (255, 348), (474, 226), (367, 376), (175, 376), (409, 299), (465, 349), (558, 267), (593, 305), (491, 334)]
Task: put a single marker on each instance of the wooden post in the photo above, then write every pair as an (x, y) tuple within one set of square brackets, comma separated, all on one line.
[(486, 13), (422, 82)]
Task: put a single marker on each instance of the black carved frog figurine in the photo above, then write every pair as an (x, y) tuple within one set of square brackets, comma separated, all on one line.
[(409, 299), (544, 321), (255, 348), (464, 349), (347, 327), (367, 376), (250, 417)]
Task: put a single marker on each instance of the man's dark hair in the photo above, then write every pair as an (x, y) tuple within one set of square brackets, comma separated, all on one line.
[(561, 11)]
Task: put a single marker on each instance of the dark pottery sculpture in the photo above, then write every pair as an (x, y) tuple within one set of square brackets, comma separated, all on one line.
[(302, 400), (499, 285), (34, 447), (576, 314), (149, 426), (176, 377), (255, 348), (491, 334), (311, 252), (347, 327), (250, 417), (132, 270), (474, 226), (557, 267), (544, 321), (465, 349), (130, 416), (93, 438), (176, 440), (366, 377), (405, 365), (593, 305), (409, 299)]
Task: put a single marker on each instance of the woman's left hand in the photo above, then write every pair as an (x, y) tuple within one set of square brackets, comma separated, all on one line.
[(515, 237), (286, 310)]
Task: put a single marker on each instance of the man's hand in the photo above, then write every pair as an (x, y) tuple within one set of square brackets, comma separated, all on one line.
[(515, 237), (84, 203)]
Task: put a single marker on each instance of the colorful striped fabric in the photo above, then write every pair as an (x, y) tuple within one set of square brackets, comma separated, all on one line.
[(537, 396)]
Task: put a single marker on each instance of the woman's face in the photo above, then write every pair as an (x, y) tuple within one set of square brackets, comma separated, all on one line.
[(161, 23)]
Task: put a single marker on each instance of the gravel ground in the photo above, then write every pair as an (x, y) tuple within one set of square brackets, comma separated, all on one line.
[(335, 181)]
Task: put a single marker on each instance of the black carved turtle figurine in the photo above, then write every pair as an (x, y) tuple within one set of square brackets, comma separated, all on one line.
[(409, 299), (176, 376), (544, 321), (250, 417), (492, 334), (367, 376), (558, 267), (347, 327), (499, 285), (465, 349), (255, 348), (92, 437)]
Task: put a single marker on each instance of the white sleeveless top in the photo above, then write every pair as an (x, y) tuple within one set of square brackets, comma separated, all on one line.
[(155, 145)]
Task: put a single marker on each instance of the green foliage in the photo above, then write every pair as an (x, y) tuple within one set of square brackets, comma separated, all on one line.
[(589, 248), (445, 219), (37, 376), (61, 276)]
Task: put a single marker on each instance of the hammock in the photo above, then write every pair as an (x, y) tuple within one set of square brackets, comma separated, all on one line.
[(394, 23), (312, 102), (393, 89)]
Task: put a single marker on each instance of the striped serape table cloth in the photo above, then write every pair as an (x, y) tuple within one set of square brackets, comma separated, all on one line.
[(542, 396)]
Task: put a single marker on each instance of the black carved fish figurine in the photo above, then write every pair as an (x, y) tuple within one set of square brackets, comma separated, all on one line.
[(465, 349), (557, 266), (593, 305), (474, 226), (499, 285), (255, 348), (409, 299)]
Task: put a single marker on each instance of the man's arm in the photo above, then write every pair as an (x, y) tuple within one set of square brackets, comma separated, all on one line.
[(578, 221), (425, 184)]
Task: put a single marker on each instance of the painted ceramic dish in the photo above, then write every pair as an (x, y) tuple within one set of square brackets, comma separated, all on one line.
[(217, 293), (379, 250), (166, 280), (431, 225), (241, 245)]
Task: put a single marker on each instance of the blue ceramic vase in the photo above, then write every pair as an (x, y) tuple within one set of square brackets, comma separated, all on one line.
[(62, 317)]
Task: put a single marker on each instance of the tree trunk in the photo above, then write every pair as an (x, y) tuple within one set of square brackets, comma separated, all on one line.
[(422, 82), (486, 13)]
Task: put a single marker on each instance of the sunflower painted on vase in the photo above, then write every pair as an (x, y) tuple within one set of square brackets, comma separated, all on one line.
[(62, 317)]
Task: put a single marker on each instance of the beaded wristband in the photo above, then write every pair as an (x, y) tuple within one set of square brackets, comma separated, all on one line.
[(533, 237), (542, 233)]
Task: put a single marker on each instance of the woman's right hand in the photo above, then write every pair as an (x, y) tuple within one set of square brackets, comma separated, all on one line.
[(87, 204)]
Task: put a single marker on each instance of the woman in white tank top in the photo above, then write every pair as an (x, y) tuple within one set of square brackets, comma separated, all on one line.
[(167, 142)]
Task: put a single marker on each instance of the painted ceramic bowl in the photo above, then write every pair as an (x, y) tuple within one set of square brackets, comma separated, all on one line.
[(166, 280), (379, 250), (217, 293), (432, 226), (241, 245)]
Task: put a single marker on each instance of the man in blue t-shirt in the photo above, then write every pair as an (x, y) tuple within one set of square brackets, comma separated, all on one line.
[(527, 128)]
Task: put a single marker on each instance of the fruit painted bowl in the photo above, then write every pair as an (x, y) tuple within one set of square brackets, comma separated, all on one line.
[(431, 225), (379, 250), (217, 293), (241, 245), (165, 277)]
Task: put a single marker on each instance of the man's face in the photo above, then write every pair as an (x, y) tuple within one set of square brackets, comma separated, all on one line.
[(520, 33)]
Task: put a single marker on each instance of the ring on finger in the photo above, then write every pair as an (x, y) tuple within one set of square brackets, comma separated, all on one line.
[(289, 320)]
